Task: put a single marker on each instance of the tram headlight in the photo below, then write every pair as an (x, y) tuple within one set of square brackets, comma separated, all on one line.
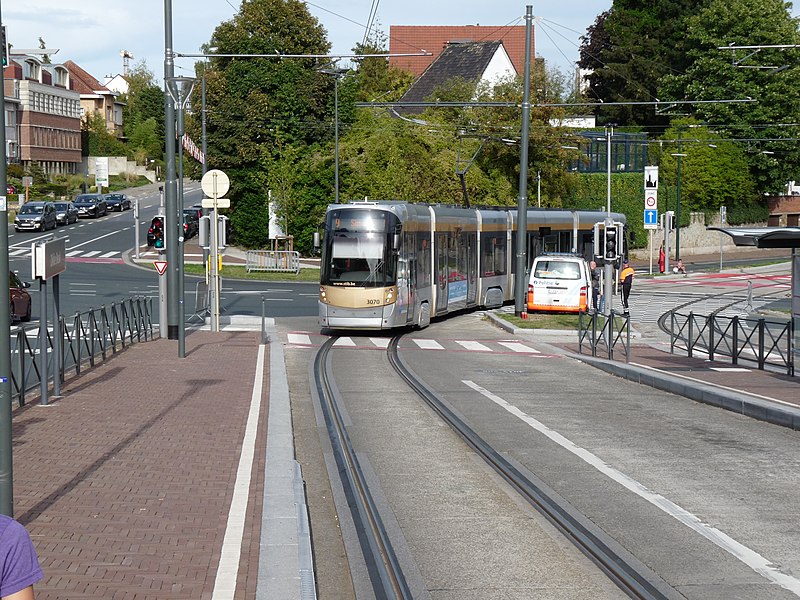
[(323, 297), (391, 296)]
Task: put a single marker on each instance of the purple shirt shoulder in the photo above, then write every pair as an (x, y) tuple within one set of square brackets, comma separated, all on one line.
[(19, 566)]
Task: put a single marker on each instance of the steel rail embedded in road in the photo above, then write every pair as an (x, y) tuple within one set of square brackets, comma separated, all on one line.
[(634, 581), (386, 575)]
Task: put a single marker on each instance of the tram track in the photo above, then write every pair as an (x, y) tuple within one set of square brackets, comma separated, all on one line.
[(385, 571)]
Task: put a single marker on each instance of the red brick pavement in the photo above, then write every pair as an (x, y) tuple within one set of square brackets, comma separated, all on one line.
[(125, 483)]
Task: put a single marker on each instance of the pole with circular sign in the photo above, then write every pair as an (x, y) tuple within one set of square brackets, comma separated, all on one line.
[(215, 184)]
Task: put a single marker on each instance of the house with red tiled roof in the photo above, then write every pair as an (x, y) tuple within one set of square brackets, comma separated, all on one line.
[(405, 39), (96, 98)]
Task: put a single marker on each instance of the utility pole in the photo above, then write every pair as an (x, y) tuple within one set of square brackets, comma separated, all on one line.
[(6, 463), (170, 183), (520, 283)]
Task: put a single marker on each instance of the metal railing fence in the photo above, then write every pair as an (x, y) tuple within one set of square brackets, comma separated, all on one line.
[(85, 339), (279, 261), (599, 332), (765, 342)]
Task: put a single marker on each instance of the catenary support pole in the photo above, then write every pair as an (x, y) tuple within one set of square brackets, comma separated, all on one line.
[(170, 183), (6, 470), (520, 279)]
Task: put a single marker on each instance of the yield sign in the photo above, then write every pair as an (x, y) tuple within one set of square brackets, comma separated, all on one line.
[(161, 266)]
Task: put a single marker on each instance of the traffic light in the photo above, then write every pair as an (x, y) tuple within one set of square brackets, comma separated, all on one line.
[(156, 236), (4, 44), (612, 243)]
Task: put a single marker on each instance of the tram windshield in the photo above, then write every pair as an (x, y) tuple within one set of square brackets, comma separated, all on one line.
[(358, 248)]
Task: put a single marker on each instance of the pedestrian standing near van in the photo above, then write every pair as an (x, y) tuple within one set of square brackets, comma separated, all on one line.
[(597, 296), (662, 258), (626, 279), (19, 566)]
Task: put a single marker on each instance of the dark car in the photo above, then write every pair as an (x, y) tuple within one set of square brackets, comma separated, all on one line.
[(20, 308), (91, 205), (66, 213), (36, 216), (118, 202), (191, 223)]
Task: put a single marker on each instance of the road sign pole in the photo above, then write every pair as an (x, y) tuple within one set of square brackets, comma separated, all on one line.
[(215, 184)]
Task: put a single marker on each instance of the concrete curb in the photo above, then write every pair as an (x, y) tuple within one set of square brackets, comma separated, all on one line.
[(748, 405)]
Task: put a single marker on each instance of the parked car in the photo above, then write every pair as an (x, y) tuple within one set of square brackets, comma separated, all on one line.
[(36, 215), (118, 202), (66, 213), (191, 223), (91, 205), (20, 308), (10, 189)]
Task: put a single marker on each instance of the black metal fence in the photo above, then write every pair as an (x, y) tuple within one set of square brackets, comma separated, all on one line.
[(83, 340), (764, 342), (601, 334)]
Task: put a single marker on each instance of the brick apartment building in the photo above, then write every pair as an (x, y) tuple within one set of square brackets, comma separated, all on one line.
[(435, 38), (44, 113)]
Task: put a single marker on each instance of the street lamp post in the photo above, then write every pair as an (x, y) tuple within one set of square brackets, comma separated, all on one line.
[(337, 74), (180, 89), (679, 155)]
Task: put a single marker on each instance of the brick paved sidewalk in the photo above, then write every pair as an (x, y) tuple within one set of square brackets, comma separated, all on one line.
[(125, 483)]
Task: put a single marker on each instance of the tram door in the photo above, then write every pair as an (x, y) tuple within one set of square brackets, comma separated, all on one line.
[(471, 266), (442, 271)]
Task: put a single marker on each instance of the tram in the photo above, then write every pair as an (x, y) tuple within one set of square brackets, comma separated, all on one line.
[(397, 264)]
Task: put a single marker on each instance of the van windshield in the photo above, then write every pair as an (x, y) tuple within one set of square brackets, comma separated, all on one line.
[(557, 269)]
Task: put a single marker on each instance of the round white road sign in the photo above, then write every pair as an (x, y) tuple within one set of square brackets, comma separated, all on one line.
[(215, 183)]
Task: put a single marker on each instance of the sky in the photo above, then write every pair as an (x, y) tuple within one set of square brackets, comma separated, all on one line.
[(92, 33)]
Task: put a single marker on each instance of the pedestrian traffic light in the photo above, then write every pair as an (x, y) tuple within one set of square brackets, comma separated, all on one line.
[(611, 242), (156, 234)]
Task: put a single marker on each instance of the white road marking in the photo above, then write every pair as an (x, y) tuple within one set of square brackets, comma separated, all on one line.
[(380, 342), (344, 341), (299, 338), (228, 569), (428, 344), (91, 253), (110, 254), (749, 557), (517, 347), (474, 346)]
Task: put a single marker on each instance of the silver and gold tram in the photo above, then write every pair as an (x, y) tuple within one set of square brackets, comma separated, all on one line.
[(395, 264)]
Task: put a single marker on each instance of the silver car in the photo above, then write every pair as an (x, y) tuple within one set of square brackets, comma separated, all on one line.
[(33, 216), (66, 213)]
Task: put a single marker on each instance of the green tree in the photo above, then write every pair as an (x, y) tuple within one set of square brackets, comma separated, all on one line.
[(714, 171), (712, 76), (255, 106), (144, 101), (144, 141), (630, 48), (100, 141)]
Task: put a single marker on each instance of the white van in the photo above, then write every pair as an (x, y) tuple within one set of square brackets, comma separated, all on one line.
[(559, 283)]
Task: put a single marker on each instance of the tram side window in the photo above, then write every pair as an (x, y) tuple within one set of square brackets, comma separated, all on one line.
[(493, 255), (423, 262)]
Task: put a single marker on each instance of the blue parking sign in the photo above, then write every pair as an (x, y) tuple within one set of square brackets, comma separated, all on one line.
[(651, 218)]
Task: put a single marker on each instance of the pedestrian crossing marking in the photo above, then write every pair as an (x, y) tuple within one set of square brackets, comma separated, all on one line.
[(380, 342), (74, 252), (109, 254), (18, 251), (345, 341), (428, 344), (474, 346), (92, 253), (300, 339), (518, 347)]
